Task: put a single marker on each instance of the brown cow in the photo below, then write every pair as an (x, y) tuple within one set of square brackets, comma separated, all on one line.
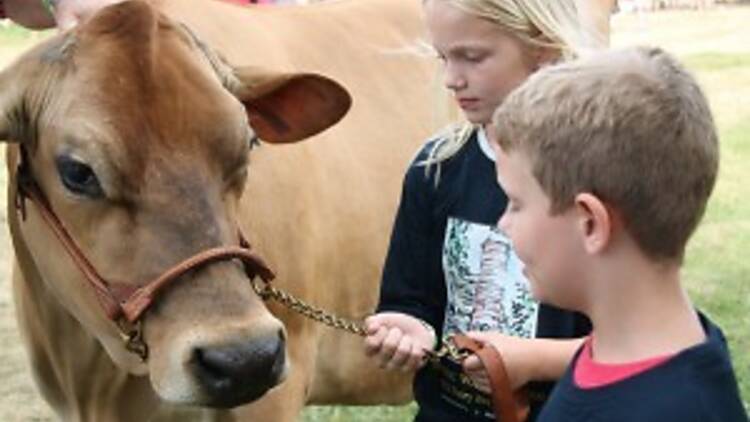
[(143, 156)]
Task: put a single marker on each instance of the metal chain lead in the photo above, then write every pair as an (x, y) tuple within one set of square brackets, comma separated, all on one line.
[(447, 350), (268, 292)]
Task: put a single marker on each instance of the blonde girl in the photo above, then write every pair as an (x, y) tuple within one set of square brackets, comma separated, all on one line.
[(449, 268)]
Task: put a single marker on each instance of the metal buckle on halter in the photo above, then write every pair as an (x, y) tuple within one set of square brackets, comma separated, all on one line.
[(132, 335), (23, 183)]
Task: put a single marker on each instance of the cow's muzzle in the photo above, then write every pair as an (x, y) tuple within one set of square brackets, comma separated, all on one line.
[(234, 374)]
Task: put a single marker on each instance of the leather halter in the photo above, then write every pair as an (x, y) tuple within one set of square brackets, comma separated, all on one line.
[(125, 303)]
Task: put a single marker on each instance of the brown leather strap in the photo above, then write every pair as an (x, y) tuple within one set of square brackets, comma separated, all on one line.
[(141, 299), (509, 406), (128, 299), (27, 188)]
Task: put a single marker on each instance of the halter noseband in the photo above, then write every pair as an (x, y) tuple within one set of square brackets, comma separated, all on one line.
[(125, 303)]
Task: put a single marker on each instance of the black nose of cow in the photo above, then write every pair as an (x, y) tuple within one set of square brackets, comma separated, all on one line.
[(239, 373)]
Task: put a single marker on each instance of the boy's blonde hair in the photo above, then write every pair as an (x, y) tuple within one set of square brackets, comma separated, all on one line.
[(566, 26), (631, 127)]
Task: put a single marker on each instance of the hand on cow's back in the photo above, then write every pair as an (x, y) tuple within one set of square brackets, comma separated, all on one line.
[(65, 14), (398, 341), (68, 13)]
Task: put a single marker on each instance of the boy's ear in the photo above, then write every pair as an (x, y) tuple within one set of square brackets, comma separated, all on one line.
[(596, 222)]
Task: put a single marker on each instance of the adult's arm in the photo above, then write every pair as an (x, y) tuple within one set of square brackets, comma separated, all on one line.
[(41, 14), (32, 14)]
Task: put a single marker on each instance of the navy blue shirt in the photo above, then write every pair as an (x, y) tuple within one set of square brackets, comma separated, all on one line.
[(450, 266), (696, 385)]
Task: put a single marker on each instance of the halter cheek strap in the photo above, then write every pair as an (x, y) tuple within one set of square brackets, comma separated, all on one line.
[(125, 303)]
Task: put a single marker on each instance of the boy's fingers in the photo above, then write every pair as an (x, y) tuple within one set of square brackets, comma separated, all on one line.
[(473, 364)]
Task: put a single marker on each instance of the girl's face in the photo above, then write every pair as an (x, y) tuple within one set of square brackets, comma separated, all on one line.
[(481, 62)]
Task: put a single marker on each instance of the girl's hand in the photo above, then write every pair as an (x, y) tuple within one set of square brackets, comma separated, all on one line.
[(398, 341)]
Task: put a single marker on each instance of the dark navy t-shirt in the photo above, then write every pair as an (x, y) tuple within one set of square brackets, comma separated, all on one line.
[(449, 265), (696, 385)]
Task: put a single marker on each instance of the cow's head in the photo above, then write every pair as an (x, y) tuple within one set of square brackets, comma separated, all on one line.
[(138, 137)]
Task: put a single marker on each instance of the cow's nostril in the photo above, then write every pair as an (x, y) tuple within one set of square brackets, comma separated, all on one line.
[(238, 373)]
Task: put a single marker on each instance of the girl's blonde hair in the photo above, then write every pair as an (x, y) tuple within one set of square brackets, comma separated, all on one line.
[(571, 27)]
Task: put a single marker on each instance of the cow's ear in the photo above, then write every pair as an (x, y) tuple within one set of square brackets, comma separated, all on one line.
[(285, 108)]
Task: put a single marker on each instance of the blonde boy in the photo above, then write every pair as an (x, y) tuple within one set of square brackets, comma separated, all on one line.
[(608, 163)]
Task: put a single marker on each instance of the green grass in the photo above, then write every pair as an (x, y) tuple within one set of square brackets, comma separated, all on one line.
[(717, 272), (711, 62)]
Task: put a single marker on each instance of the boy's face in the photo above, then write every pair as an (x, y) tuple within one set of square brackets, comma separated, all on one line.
[(545, 243)]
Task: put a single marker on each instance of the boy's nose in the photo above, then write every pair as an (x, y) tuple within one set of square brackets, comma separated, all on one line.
[(503, 223)]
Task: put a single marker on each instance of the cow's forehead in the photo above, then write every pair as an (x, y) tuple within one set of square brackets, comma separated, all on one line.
[(146, 98), (161, 79)]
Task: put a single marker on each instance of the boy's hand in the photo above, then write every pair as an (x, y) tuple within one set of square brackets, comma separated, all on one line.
[(398, 341), (518, 355)]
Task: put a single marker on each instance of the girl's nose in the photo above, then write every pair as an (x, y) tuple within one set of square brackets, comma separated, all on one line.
[(453, 79)]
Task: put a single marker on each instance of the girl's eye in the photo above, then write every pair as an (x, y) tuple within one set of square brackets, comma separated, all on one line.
[(78, 177), (473, 56)]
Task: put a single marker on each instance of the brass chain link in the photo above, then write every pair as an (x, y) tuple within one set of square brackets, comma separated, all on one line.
[(447, 350), (268, 292), (132, 336)]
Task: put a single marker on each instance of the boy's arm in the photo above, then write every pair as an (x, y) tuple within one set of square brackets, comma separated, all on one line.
[(526, 360), (552, 358)]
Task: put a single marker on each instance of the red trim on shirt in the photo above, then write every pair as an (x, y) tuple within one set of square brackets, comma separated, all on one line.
[(591, 374)]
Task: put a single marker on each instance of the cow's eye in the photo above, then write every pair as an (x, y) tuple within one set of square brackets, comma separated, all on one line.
[(78, 177)]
